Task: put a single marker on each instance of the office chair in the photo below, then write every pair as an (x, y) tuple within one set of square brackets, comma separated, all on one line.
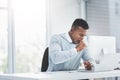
[(45, 61)]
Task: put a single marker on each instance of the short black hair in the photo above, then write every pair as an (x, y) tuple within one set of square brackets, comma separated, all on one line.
[(80, 23)]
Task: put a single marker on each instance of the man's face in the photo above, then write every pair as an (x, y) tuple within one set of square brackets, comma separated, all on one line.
[(77, 34)]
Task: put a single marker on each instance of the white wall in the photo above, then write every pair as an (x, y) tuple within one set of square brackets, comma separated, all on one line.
[(60, 15)]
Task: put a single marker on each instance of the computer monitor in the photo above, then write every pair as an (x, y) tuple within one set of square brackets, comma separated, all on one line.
[(98, 45)]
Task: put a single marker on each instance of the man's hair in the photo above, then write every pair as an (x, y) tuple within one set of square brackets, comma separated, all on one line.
[(80, 23)]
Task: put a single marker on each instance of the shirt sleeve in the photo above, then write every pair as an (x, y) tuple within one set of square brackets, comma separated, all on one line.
[(56, 54)]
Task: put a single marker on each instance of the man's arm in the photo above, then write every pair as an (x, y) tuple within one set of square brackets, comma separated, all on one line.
[(89, 62), (56, 53)]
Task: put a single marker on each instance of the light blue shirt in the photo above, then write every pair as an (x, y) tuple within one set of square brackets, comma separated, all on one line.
[(63, 55)]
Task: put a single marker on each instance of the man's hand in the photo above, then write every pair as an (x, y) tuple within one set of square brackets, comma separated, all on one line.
[(87, 65), (80, 46)]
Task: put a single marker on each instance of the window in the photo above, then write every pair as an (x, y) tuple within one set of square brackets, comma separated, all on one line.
[(22, 35), (3, 36), (30, 34)]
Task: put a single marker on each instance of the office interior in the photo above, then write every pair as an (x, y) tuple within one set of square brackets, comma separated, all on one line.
[(26, 27)]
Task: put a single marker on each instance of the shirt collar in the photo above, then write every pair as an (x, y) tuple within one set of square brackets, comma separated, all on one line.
[(67, 36)]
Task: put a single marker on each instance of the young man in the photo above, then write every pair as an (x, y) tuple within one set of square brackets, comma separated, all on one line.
[(67, 49)]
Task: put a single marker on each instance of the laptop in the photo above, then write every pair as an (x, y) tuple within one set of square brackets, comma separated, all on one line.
[(108, 62)]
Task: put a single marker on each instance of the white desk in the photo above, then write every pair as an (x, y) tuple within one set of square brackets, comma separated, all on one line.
[(62, 75)]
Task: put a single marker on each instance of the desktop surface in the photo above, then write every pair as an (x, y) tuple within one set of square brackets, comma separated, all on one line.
[(60, 75)]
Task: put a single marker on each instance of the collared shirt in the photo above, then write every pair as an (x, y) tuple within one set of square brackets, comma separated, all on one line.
[(63, 55)]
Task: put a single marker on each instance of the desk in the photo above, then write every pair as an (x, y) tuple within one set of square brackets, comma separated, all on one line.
[(62, 75)]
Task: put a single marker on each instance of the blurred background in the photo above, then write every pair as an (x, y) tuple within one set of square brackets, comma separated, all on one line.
[(27, 25)]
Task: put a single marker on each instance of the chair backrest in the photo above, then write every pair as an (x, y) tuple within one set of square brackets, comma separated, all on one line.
[(45, 61)]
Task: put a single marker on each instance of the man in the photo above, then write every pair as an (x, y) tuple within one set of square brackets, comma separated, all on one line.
[(67, 49)]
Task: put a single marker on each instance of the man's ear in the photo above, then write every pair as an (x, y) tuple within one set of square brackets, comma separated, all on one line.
[(72, 29)]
